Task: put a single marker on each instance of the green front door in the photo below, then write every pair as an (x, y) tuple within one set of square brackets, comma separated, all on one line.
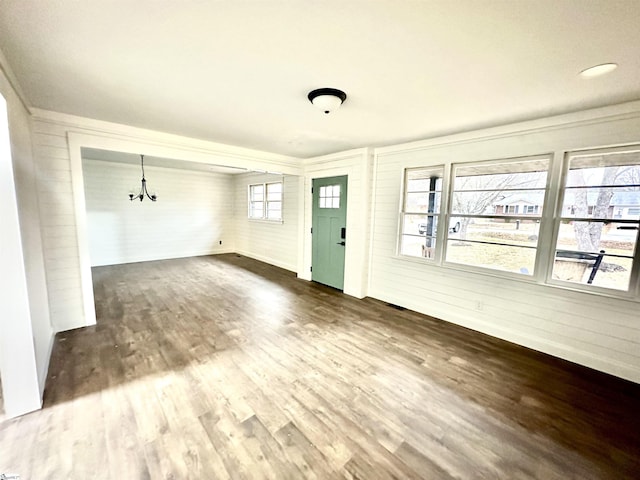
[(329, 230)]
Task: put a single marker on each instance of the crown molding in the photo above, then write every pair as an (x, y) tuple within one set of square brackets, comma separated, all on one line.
[(7, 71)]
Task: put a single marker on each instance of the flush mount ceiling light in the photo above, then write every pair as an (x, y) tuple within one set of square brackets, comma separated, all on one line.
[(598, 70), (143, 187), (327, 99)]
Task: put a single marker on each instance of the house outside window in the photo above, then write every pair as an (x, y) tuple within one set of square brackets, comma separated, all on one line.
[(508, 241), (265, 201)]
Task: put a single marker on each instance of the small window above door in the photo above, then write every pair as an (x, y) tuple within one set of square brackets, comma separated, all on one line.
[(329, 196)]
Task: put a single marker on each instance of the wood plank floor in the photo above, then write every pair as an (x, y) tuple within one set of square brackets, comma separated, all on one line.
[(223, 367)]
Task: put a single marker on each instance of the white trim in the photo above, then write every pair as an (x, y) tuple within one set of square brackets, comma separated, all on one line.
[(482, 323), (45, 370), (270, 261), (254, 160), (123, 139), (12, 80), (80, 210), (355, 165)]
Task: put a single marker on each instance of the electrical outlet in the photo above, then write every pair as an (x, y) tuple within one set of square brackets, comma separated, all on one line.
[(479, 305)]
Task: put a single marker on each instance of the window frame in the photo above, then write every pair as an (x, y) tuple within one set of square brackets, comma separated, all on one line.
[(634, 277), (264, 217), (440, 215), (538, 267), (549, 216)]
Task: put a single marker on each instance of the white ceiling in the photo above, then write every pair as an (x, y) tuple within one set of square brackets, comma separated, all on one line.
[(238, 72)]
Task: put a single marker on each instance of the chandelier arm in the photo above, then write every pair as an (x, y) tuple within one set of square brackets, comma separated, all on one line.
[(146, 192), (143, 188)]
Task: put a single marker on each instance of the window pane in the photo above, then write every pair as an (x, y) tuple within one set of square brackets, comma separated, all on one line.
[(529, 173), (423, 202), (274, 195), (418, 239), (604, 202), (517, 231), (577, 267), (274, 187), (579, 244), (256, 209), (492, 202), (417, 246), (424, 179), (274, 213), (509, 188), (423, 225), (422, 195), (611, 168), (498, 257), (329, 196), (599, 185), (256, 192), (490, 189)]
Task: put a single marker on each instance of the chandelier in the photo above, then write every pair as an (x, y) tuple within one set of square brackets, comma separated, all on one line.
[(143, 187)]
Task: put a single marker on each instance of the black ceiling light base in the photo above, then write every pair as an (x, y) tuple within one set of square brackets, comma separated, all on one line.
[(327, 99)]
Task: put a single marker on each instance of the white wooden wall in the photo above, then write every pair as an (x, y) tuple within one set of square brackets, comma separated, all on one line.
[(356, 165), (193, 214), (25, 333), (59, 234), (57, 140), (597, 331), (272, 242)]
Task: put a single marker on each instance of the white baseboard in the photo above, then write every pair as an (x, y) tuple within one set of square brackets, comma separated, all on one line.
[(540, 344), (44, 371), (270, 261)]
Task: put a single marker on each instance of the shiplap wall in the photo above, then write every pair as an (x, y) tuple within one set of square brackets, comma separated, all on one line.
[(194, 212), (57, 140), (356, 165), (272, 242), (597, 331), (30, 226), (25, 333), (59, 237)]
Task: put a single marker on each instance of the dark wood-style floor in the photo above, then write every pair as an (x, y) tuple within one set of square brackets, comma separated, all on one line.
[(223, 367)]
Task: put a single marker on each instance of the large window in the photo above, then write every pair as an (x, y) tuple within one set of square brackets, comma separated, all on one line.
[(265, 201), (597, 225), (498, 207), (421, 211), (497, 218)]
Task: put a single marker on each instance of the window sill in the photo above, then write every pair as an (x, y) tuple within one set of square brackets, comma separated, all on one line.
[(264, 220)]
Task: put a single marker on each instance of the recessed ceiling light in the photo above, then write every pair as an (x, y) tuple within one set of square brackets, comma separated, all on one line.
[(598, 70)]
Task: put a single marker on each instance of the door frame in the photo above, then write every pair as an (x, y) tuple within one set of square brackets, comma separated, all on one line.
[(356, 165)]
